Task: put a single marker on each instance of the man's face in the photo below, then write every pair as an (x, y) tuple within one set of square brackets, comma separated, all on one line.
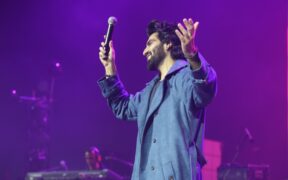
[(154, 52)]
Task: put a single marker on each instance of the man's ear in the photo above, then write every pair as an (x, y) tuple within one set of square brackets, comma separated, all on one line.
[(168, 46)]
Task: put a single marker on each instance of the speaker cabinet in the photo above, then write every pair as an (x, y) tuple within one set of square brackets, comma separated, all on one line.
[(250, 172)]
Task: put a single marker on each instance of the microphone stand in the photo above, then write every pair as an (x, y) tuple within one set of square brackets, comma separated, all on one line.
[(38, 133), (129, 164), (121, 161), (236, 155)]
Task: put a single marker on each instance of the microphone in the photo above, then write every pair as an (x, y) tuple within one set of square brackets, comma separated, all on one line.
[(111, 22), (247, 132)]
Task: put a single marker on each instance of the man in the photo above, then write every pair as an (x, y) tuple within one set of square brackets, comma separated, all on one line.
[(93, 159), (170, 110)]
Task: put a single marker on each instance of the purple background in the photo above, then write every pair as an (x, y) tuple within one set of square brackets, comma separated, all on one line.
[(244, 40)]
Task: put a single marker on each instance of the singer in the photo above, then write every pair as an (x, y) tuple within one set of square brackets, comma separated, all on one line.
[(170, 110)]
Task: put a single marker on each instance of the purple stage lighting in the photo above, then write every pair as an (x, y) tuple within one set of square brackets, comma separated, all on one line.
[(13, 92), (57, 65)]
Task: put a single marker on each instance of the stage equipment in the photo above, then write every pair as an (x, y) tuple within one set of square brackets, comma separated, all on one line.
[(104, 174), (249, 172), (247, 136), (38, 131)]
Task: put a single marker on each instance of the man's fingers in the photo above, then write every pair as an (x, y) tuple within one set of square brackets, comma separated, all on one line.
[(196, 24), (188, 24), (102, 52), (101, 55), (111, 44), (182, 29), (180, 36), (190, 20), (102, 49), (194, 29), (191, 27)]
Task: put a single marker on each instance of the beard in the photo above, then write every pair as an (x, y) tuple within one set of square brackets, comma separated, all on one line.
[(156, 58)]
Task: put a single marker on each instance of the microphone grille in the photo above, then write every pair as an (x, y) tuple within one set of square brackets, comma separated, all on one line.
[(112, 20)]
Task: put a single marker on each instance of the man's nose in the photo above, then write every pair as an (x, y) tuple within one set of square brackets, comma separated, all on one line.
[(145, 51)]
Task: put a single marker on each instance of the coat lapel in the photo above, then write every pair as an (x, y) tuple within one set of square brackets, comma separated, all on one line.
[(159, 96), (145, 106)]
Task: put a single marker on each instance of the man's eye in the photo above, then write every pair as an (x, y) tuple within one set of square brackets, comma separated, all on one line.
[(149, 43)]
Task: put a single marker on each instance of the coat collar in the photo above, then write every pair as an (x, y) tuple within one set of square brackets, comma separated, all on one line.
[(179, 64)]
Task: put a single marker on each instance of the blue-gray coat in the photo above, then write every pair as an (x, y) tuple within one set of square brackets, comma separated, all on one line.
[(165, 148)]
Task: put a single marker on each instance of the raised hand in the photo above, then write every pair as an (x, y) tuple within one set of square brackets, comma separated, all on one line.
[(108, 61), (187, 37)]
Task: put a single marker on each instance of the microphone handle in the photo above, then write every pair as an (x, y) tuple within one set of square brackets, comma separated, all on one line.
[(108, 39)]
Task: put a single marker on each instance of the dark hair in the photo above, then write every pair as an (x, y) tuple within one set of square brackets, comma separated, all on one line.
[(166, 34)]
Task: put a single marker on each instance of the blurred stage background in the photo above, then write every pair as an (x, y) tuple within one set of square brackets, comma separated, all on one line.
[(245, 41)]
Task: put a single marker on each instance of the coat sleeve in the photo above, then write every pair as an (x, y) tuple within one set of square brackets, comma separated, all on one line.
[(123, 105), (200, 84)]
